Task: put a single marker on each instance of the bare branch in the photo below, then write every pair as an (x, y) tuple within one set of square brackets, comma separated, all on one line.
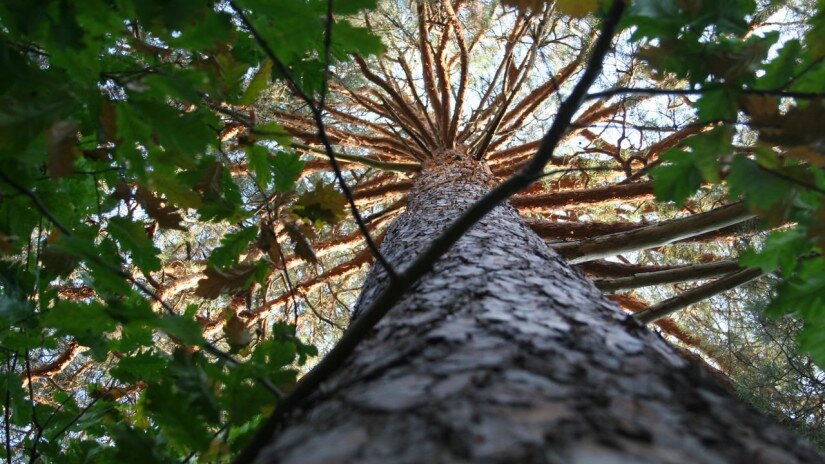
[(427, 59), (362, 160), (695, 295), (462, 83), (573, 198), (679, 274), (656, 92), (661, 233)]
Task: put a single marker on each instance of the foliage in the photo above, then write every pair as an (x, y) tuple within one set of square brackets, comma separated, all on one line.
[(760, 356), (111, 128), (750, 86)]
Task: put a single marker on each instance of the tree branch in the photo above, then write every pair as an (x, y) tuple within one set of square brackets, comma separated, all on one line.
[(678, 274), (362, 160), (572, 198), (654, 235), (462, 82), (654, 91), (702, 292)]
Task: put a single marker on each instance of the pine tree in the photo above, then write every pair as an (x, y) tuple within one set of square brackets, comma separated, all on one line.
[(473, 210), (503, 352)]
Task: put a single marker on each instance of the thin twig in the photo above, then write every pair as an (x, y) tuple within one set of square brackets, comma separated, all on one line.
[(209, 347), (37, 426), (7, 412), (322, 134)]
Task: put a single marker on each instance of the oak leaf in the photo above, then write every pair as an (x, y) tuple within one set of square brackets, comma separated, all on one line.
[(300, 236), (61, 147), (237, 333), (218, 281), (323, 204), (167, 216)]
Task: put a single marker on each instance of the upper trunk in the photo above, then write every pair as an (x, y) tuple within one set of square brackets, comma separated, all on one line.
[(504, 353)]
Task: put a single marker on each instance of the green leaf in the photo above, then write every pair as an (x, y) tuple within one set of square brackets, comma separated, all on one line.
[(287, 167), (11, 388), (187, 330), (778, 72), (183, 403), (347, 38), (321, 205), (14, 312), (137, 446), (133, 336), (257, 84), (211, 29), (78, 319), (781, 250), (805, 293), (260, 164), (132, 237), (716, 105), (140, 366), (811, 339), (676, 179), (760, 188), (175, 189), (707, 148), (134, 308), (232, 245), (348, 7), (273, 131), (653, 18)]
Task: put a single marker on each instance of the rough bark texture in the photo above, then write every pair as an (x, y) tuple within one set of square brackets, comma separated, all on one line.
[(505, 353)]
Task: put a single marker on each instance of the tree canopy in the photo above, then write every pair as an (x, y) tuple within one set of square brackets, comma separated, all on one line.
[(191, 190)]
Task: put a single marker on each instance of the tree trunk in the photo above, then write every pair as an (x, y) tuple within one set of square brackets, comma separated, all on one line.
[(505, 353)]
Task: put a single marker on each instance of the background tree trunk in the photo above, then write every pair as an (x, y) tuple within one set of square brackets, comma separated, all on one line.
[(505, 353)]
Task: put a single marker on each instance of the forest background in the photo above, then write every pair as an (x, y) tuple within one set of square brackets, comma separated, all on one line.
[(191, 192)]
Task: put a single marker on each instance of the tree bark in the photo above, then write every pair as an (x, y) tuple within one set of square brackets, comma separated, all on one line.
[(505, 353)]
